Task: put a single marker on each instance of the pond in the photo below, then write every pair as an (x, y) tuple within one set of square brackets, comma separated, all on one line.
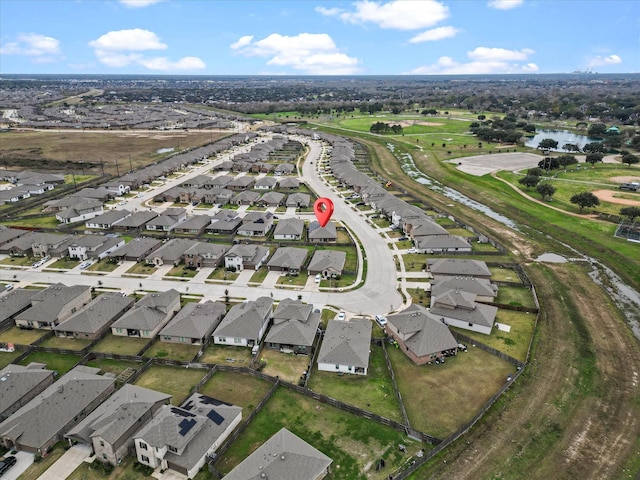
[(560, 136)]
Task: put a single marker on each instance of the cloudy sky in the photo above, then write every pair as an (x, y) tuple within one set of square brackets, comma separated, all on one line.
[(319, 37)]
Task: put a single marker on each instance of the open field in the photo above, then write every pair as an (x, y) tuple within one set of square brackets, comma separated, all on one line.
[(120, 345), (173, 351), (18, 336), (288, 366), (84, 150), (240, 389), (373, 392), (354, 444), (173, 381), (54, 361)]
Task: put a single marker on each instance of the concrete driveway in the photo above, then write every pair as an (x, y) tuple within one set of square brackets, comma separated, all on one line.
[(23, 461), (67, 463)]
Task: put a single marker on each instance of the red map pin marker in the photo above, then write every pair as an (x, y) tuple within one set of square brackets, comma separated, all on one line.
[(323, 208)]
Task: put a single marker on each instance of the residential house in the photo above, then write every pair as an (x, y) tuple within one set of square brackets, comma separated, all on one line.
[(94, 319), (272, 199), (256, 224), (8, 234), (219, 182), (245, 324), (182, 438), (284, 169), (438, 244), (454, 267), (289, 184), (242, 256), (107, 220), (425, 228), (459, 309), (167, 220), (136, 221), (241, 182), (225, 166), (42, 422), (294, 327), (483, 289), (136, 250), (15, 302), (194, 324), (83, 210), (289, 229), (284, 457), (221, 196), (53, 305), (265, 183), (345, 347), (225, 222), (298, 200), (289, 260), (110, 428), (204, 254), (421, 335), (20, 384), (196, 182), (328, 263), (194, 225), (13, 195), (245, 197), (44, 243), (171, 195), (84, 247), (171, 252), (148, 315), (318, 234)]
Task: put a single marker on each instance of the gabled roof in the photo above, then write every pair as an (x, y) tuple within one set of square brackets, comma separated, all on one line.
[(16, 381), (461, 306), (47, 304), (458, 267), (15, 301), (346, 343), (283, 457), (173, 249), (7, 234), (195, 320), (327, 259), (208, 249), (95, 315), (289, 226), (136, 247), (316, 232), (288, 257), (149, 311), (118, 414), (424, 333), (46, 414), (266, 182), (195, 222), (478, 286), (245, 320), (293, 323), (441, 241)]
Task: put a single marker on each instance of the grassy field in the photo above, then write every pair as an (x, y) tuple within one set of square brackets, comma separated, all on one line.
[(142, 269), (239, 389), (353, 443), (54, 361), (466, 381), (173, 351), (226, 355), (173, 381), (504, 275), (103, 266), (66, 343), (222, 274), (36, 222), (65, 263), (18, 336), (516, 296), (120, 345), (259, 276), (18, 261), (515, 342), (182, 272), (287, 366), (8, 357), (373, 392), (60, 151)]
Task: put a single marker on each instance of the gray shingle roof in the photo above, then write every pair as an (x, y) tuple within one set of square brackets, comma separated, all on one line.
[(424, 333), (328, 232), (458, 267), (195, 320), (479, 286), (16, 381), (47, 304), (149, 312), (173, 249), (288, 257), (289, 226), (325, 259), (346, 343), (97, 314), (461, 306), (245, 319), (283, 457), (15, 302), (293, 323), (136, 247)]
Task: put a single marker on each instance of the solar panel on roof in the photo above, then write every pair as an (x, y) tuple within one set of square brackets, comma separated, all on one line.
[(188, 405), (211, 401), (215, 417), (182, 413), (186, 425)]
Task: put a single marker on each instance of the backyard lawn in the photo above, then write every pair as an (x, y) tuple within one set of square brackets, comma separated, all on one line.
[(504, 275), (516, 296), (466, 381), (174, 381), (173, 351), (226, 355), (120, 345), (113, 366), (353, 443), (373, 392), (241, 389), (65, 343), (58, 362), (288, 366), (8, 357), (18, 336)]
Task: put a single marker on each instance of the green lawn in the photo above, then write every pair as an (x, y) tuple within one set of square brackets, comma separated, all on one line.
[(288, 366), (103, 266), (353, 443), (222, 274), (64, 263), (299, 280), (504, 275), (343, 281), (113, 366), (173, 351), (54, 361), (227, 355), (259, 276), (516, 296), (466, 381), (34, 222), (373, 392), (414, 262), (173, 381), (8, 357), (241, 389), (142, 268), (182, 272), (18, 261), (120, 345), (18, 336), (65, 343)]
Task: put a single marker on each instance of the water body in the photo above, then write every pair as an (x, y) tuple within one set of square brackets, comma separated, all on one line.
[(165, 150), (560, 136), (551, 258)]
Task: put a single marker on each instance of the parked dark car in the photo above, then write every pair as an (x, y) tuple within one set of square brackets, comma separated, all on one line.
[(6, 464)]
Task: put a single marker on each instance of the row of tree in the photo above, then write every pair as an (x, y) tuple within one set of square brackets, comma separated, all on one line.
[(384, 128)]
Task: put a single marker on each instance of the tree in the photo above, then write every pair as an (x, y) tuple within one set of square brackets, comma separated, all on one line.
[(482, 117), (630, 212), (585, 199), (529, 181), (594, 147), (548, 144), (594, 158), (566, 160), (571, 147), (597, 130), (536, 171), (630, 159), (546, 190)]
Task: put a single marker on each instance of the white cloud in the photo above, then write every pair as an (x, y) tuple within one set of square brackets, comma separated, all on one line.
[(121, 48), (600, 61), (166, 65), (138, 3), (310, 53), (134, 39), (435, 34), (396, 14), (499, 54), (483, 61), (505, 4), (40, 48)]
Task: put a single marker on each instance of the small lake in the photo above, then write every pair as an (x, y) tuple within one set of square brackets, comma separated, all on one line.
[(560, 136)]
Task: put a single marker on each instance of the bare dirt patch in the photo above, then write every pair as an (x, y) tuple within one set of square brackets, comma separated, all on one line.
[(625, 179), (610, 196), (409, 123)]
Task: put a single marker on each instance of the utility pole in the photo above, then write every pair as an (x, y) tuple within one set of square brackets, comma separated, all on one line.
[(130, 166), (102, 167), (117, 169)]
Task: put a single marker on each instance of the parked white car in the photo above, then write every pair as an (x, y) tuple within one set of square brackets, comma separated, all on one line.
[(341, 316)]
